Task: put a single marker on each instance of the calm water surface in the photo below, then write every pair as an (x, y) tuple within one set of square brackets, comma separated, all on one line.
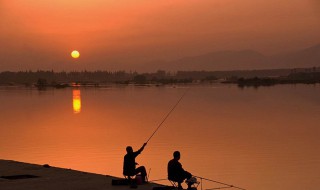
[(266, 138)]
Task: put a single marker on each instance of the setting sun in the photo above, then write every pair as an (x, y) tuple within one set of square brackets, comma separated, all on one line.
[(75, 54)]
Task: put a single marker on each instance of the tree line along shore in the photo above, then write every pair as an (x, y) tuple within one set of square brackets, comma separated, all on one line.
[(244, 78)]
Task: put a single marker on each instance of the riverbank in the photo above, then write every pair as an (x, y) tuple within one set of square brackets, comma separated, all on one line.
[(18, 175)]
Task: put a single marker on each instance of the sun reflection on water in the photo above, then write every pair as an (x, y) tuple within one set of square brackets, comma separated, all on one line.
[(76, 101)]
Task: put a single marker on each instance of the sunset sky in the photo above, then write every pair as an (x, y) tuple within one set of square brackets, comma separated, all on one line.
[(118, 34)]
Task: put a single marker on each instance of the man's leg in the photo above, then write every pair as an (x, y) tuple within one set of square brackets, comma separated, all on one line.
[(143, 172), (179, 180), (187, 176)]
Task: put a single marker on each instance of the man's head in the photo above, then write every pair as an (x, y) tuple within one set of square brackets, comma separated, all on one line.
[(176, 155), (129, 149)]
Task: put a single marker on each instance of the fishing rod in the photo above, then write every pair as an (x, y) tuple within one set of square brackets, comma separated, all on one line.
[(229, 186), (168, 114)]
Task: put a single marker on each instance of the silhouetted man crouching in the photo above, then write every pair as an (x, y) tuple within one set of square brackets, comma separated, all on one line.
[(176, 172), (129, 163)]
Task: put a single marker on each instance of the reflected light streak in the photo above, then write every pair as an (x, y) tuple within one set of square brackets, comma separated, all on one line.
[(76, 101)]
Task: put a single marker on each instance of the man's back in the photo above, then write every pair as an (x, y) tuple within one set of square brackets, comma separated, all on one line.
[(129, 164), (174, 169)]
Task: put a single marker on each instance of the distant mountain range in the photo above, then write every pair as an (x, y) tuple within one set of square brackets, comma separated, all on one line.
[(309, 57), (242, 60)]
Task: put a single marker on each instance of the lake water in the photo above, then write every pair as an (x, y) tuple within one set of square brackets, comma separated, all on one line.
[(262, 139)]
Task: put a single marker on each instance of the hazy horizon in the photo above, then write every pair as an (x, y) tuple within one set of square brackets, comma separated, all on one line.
[(124, 34)]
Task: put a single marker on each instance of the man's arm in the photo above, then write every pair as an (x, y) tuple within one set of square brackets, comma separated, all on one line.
[(140, 150), (179, 168)]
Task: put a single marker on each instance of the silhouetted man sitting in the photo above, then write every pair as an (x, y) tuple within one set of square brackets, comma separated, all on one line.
[(129, 164), (176, 172)]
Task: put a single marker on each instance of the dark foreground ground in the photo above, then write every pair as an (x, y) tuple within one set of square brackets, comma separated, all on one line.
[(18, 175)]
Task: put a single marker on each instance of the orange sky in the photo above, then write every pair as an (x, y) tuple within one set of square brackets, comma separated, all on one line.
[(109, 33)]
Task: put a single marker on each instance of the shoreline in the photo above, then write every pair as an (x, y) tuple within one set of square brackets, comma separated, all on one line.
[(20, 175)]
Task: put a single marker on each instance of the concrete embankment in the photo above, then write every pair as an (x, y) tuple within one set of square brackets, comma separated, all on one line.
[(22, 176)]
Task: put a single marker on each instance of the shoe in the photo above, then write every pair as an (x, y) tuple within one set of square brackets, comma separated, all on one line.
[(192, 180)]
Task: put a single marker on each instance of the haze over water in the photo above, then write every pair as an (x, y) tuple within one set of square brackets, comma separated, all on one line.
[(132, 35), (265, 138)]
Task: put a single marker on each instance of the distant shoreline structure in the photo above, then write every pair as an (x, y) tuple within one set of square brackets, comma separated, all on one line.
[(244, 78)]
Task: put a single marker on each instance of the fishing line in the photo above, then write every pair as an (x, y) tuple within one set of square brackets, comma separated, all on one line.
[(229, 186), (159, 180), (168, 115), (218, 188)]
